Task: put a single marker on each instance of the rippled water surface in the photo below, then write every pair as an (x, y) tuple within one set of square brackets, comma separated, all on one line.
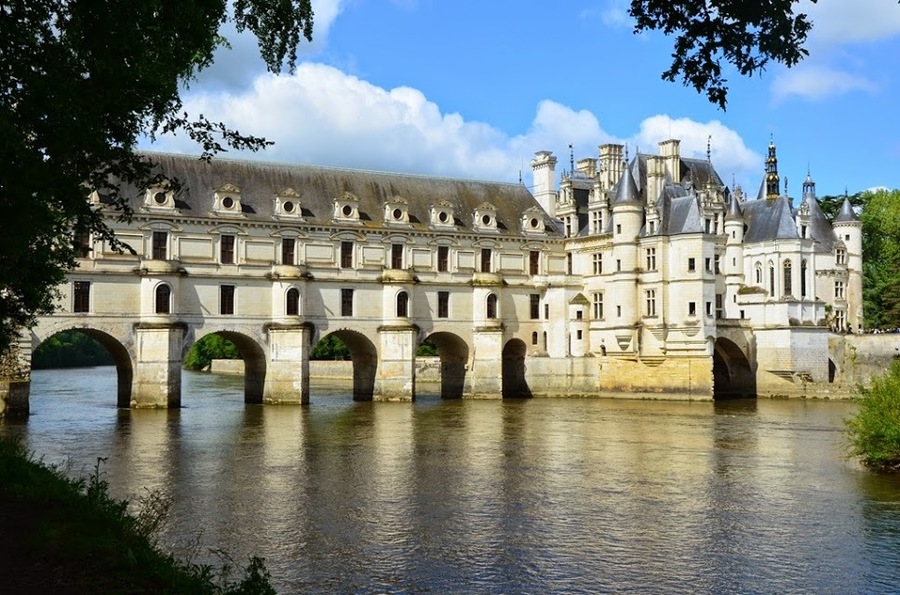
[(541, 496)]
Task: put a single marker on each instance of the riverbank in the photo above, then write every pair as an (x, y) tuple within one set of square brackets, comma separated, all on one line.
[(68, 536)]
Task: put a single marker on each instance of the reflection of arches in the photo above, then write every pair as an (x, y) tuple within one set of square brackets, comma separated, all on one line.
[(732, 373), (454, 352), (292, 302), (163, 299), (514, 383), (121, 357), (365, 362), (254, 363)]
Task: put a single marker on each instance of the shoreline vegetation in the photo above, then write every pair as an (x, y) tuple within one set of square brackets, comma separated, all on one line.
[(69, 535), (873, 433)]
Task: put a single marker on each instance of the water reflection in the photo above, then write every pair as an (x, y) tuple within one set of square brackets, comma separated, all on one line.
[(495, 496)]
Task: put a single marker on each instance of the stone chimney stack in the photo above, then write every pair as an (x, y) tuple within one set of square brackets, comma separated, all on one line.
[(611, 165), (543, 171), (587, 166), (656, 177), (670, 152)]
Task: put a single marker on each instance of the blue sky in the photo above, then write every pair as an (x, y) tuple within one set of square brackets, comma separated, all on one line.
[(473, 89)]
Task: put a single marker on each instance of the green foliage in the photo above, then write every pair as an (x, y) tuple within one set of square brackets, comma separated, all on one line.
[(80, 82), (210, 347), (745, 34), (881, 258), (427, 349), (91, 541), (330, 348), (70, 349), (874, 432)]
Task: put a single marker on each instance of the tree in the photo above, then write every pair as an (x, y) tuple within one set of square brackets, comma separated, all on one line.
[(742, 33), (210, 347), (881, 258), (80, 82)]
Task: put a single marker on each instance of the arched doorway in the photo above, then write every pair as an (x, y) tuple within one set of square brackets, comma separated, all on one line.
[(514, 384), (254, 362), (733, 375), (117, 352), (454, 353), (364, 358)]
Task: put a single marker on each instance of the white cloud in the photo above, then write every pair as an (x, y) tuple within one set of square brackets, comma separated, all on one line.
[(324, 116), (837, 22), (615, 14), (816, 82)]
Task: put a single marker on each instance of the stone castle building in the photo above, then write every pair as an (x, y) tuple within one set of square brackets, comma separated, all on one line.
[(646, 277)]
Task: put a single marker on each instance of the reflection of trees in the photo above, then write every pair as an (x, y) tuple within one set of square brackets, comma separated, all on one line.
[(70, 349)]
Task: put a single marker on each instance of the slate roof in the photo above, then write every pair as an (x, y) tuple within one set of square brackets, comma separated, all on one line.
[(846, 213), (769, 220), (318, 186), (819, 227)]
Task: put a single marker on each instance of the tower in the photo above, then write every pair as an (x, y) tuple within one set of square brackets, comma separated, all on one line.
[(772, 173), (848, 228)]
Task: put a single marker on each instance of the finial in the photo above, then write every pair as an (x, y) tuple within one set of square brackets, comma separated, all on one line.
[(626, 153), (709, 148), (520, 176), (785, 185), (846, 194), (571, 158), (732, 181)]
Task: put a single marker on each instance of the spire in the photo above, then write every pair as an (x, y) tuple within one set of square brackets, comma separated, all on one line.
[(626, 190), (734, 209), (771, 172), (809, 187), (846, 214)]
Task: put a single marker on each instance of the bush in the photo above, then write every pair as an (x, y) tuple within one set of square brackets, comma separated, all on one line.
[(874, 432), (210, 347)]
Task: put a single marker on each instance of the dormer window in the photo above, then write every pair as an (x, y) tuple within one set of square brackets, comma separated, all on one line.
[(287, 204), (159, 198), (442, 215), (485, 217), (346, 208), (396, 211), (533, 221), (227, 200)]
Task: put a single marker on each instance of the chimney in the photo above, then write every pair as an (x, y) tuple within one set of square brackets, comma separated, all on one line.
[(543, 171)]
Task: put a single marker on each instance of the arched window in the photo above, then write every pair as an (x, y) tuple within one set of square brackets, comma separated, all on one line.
[(492, 306), (292, 302), (771, 279), (803, 278), (534, 338), (759, 274), (788, 287), (163, 299), (402, 304)]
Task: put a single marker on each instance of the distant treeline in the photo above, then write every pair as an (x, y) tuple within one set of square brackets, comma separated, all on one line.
[(70, 349)]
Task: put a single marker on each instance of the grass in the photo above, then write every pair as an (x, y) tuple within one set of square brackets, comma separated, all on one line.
[(70, 536), (873, 433)]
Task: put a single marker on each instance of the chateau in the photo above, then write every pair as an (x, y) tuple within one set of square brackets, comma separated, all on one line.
[(645, 277)]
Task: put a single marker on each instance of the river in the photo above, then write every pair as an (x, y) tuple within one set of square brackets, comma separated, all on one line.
[(539, 496)]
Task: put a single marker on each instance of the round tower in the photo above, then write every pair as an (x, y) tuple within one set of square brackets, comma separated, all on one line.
[(848, 229), (627, 220), (734, 255)]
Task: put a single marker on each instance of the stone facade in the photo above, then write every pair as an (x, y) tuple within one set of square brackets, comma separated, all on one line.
[(647, 277)]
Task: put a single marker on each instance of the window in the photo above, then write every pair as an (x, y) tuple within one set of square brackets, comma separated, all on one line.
[(568, 227), (578, 334), (292, 302), (546, 311), (720, 309), (840, 256), (81, 296), (839, 290), (707, 263), (443, 304), (160, 240), (692, 265), (227, 250), (618, 228), (650, 296), (598, 306), (534, 338), (651, 259), (619, 311), (758, 270), (443, 259), (772, 279), (840, 320), (652, 227), (485, 260), (346, 255), (598, 263), (535, 303), (534, 262), (82, 245), (803, 278), (346, 302), (709, 308), (163, 299), (707, 225), (402, 304), (597, 222), (803, 231), (396, 256), (491, 306), (287, 250), (692, 308), (788, 286), (226, 300), (716, 268), (569, 263), (579, 315), (618, 265)]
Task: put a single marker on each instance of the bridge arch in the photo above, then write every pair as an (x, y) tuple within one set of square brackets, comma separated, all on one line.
[(121, 357), (514, 385), (454, 355), (254, 361), (733, 374), (364, 356)]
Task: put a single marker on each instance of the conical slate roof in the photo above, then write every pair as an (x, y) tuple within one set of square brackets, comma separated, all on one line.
[(847, 213), (627, 190), (734, 210)]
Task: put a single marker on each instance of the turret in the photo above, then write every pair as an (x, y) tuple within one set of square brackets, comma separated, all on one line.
[(848, 228), (543, 171), (627, 219), (733, 266)]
